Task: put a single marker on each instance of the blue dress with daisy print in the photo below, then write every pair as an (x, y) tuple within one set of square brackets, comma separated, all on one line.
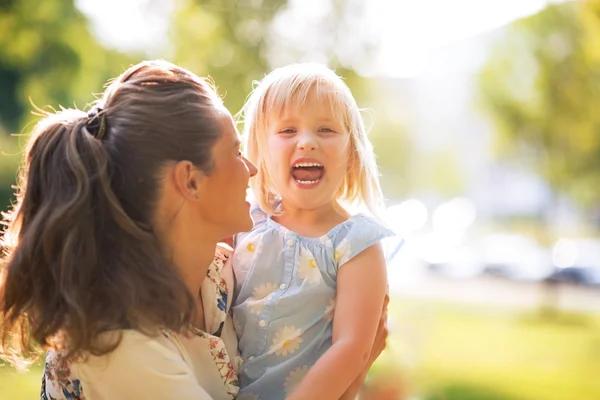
[(285, 298)]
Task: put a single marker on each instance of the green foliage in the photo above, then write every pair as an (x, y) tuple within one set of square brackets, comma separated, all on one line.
[(48, 55), (10, 155), (392, 148), (541, 86), (225, 40)]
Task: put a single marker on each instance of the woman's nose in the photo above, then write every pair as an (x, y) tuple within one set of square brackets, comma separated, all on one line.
[(251, 168)]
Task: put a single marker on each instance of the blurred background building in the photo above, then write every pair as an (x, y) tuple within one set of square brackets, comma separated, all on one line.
[(485, 119)]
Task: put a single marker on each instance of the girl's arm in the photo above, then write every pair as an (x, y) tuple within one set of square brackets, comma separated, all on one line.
[(361, 288), (378, 347)]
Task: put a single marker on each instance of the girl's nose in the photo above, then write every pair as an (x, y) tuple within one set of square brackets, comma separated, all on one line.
[(307, 141)]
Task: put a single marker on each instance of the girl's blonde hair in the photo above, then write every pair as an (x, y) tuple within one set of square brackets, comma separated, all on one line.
[(290, 86)]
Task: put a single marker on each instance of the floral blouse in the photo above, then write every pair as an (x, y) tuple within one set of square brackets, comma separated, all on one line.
[(61, 383)]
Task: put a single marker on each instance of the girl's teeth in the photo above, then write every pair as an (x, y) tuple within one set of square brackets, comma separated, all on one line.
[(307, 165), (307, 182)]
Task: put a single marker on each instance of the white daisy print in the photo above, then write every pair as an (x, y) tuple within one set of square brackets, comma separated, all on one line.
[(330, 310), (307, 267), (260, 296), (294, 378), (342, 253), (287, 340), (243, 256)]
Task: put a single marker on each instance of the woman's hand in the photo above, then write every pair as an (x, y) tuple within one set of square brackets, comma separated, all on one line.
[(381, 335), (228, 241)]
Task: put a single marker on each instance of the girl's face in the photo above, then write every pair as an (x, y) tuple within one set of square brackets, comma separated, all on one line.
[(307, 154)]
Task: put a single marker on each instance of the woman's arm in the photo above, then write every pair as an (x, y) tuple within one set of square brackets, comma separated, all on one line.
[(361, 288)]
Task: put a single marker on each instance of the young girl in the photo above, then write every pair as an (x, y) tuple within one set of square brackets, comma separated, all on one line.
[(311, 276)]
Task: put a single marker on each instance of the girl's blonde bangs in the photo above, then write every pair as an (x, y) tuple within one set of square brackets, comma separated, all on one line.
[(293, 91)]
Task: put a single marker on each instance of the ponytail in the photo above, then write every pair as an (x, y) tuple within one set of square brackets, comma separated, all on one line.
[(62, 243)]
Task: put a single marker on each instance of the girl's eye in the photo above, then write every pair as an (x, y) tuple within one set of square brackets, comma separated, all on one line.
[(288, 130), (326, 130)]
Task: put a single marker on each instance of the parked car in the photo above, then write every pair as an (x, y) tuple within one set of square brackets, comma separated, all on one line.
[(462, 262), (583, 264), (456, 258), (516, 257)]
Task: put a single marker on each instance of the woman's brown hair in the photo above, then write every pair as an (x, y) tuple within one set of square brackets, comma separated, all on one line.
[(79, 253)]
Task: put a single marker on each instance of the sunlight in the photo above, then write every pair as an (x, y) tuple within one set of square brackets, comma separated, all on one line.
[(129, 25), (411, 30), (408, 31)]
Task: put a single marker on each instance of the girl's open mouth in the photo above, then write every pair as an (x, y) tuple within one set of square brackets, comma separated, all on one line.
[(307, 173)]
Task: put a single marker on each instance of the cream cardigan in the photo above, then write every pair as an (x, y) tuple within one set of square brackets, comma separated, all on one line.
[(168, 366)]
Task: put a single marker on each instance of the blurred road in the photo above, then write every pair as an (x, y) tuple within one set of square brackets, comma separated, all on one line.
[(487, 289)]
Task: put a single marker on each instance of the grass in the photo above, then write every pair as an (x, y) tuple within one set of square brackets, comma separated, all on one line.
[(470, 352), (18, 385), (463, 352)]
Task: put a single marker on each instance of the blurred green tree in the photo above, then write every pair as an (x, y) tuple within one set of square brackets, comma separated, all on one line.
[(225, 40), (48, 57), (238, 42), (541, 86)]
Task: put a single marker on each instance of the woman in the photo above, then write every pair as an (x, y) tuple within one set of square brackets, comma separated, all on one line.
[(108, 248)]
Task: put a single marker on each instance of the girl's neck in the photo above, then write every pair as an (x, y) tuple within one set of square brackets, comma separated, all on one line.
[(311, 222)]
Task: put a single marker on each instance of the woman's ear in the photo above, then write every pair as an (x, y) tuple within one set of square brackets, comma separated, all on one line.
[(188, 179)]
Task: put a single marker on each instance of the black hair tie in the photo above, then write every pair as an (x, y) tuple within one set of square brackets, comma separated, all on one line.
[(96, 124)]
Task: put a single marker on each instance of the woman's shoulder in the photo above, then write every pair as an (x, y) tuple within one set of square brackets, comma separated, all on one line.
[(142, 346), (137, 356), (64, 378)]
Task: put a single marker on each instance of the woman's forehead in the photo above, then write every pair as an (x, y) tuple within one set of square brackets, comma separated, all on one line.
[(228, 128)]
